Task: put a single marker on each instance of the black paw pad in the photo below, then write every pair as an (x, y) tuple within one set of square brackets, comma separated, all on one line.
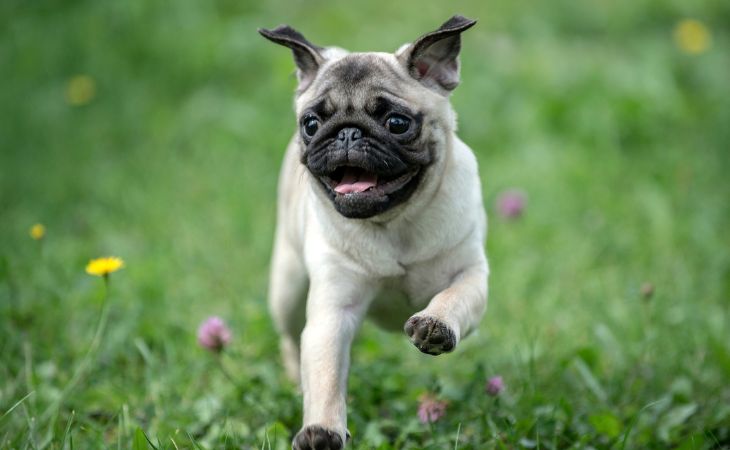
[(430, 335), (315, 437)]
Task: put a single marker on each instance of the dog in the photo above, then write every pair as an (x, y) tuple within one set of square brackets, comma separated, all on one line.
[(379, 214)]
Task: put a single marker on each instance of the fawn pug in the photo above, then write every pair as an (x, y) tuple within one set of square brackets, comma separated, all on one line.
[(379, 214)]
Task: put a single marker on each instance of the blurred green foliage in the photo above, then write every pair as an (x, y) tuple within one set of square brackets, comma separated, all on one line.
[(153, 130)]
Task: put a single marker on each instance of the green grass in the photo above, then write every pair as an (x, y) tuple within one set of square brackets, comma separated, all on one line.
[(619, 139)]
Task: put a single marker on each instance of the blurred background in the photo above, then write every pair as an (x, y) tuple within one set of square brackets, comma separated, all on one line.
[(153, 131)]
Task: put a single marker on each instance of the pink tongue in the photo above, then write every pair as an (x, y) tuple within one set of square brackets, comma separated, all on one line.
[(356, 180)]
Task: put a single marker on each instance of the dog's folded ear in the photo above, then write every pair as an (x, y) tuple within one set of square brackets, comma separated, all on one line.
[(433, 59), (307, 56)]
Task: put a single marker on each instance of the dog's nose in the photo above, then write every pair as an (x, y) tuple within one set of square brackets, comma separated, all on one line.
[(348, 136)]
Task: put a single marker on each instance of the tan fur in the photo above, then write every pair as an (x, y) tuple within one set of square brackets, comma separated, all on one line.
[(424, 257)]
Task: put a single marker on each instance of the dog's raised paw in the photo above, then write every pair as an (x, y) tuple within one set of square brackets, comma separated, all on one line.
[(430, 335), (314, 437)]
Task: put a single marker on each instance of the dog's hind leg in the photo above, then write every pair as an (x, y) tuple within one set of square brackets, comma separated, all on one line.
[(288, 286)]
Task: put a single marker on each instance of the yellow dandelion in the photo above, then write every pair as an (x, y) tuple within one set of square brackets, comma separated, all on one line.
[(80, 90), (102, 267), (692, 36), (37, 231)]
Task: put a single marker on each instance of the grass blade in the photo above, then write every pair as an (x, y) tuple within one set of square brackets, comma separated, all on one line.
[(18, 403), (68, 429)]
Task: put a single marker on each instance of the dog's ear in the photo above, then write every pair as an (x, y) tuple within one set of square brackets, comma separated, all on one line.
[(433, 59), (307, 56)]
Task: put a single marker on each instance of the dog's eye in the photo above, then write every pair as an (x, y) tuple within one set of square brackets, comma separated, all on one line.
[(310, 125), (398, 124)]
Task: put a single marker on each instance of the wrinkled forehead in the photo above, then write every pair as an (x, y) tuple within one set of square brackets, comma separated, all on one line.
[(359, 78)]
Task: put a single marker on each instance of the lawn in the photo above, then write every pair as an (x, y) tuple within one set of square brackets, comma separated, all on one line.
[(153, 131)]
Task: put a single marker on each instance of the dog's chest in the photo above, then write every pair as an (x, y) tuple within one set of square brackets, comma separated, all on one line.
[(400, 297), (379, 252)]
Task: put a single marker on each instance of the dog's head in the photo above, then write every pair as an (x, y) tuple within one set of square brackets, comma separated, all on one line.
[(371, 125)]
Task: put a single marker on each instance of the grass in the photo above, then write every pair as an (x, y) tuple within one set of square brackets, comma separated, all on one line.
[(618, 137)]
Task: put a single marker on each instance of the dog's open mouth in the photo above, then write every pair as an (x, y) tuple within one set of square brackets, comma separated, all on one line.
[(348, 180)]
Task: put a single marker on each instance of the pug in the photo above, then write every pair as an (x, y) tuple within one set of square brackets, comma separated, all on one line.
[(379, 214)]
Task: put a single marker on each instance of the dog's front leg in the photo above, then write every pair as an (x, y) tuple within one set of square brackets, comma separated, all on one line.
[(336, 305), (452, 313)]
